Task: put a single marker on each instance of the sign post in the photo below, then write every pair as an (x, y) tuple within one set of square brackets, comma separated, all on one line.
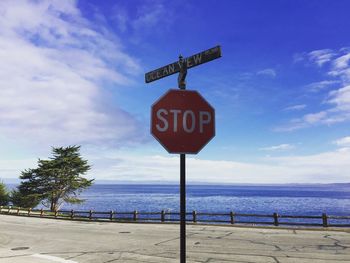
[(182, 85), (183, 121)]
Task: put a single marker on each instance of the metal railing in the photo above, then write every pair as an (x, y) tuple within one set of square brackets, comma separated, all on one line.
[(163, 216)]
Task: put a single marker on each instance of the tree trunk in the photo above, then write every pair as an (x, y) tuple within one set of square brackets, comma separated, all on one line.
[(55, 206), (52, 205)]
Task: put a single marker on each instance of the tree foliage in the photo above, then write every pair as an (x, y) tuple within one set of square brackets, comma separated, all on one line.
[(56, 180), (4, 195), (22, 198)]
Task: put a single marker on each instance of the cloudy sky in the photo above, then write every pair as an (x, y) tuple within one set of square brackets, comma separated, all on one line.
[(72, 73)]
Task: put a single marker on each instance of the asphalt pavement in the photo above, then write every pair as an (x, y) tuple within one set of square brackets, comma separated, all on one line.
[(39, 240)]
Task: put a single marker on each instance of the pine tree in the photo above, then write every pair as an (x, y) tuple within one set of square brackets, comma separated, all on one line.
[(56, 180), (4, 196)]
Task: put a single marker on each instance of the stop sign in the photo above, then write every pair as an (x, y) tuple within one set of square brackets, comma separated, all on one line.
[(182, 121)]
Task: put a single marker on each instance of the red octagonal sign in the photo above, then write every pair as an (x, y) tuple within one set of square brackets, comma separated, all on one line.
[(182, 121)]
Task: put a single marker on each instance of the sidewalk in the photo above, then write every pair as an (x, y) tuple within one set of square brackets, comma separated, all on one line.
[(35, 240)]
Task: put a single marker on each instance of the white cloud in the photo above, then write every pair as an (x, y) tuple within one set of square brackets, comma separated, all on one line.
[(342, 61), (321, 85), (312, 118), (298, 57), (340, 67), (121, 17), (53, 66), (269, 72), (338, 113), (148, 16), (142, 18), (295, 107), (343, 142), (281, 147), (341, 99), (327, 167), (338, 100), (13, 168), (321, 56)]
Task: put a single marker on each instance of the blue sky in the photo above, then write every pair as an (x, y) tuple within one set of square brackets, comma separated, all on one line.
[(72, 72)]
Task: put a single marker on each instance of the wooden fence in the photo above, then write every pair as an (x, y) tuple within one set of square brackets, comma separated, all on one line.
[(230, 218)]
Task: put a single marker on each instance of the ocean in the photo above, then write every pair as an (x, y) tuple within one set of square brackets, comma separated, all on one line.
[(333, 199)]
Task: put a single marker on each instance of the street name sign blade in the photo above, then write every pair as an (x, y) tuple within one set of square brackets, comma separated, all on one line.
[(182, 121), (191, 61)]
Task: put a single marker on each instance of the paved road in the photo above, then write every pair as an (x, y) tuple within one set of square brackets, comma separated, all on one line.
[(35, 240)]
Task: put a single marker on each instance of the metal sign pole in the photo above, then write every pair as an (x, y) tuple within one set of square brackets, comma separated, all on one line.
[(182, 208), (182, 85)]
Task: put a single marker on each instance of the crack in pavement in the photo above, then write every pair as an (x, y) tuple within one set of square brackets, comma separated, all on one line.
[(221, 237), (166, 241), (238, 261), (268, 256), (236, 254), (175, 238), (119, 255), (276, 247), (336, 246), (116, 259), (80, 254)]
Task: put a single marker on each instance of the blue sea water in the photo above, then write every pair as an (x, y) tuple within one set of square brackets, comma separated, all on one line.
[(333, 199)]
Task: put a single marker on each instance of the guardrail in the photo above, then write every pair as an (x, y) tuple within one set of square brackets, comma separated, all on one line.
[(230, 218)]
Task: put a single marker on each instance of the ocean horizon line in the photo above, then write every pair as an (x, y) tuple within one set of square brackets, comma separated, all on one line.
[(157, 182)]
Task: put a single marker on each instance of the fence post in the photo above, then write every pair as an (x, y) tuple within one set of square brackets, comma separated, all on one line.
[(275, 219), (56, 212), (194, 216), (41, 212), (17, 210), (29, 210), (111, 215), (135, 215), (232, 216), (324, 220), (90, 214), (9, 209), (1, 208), (72, 214), (162, 216)]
